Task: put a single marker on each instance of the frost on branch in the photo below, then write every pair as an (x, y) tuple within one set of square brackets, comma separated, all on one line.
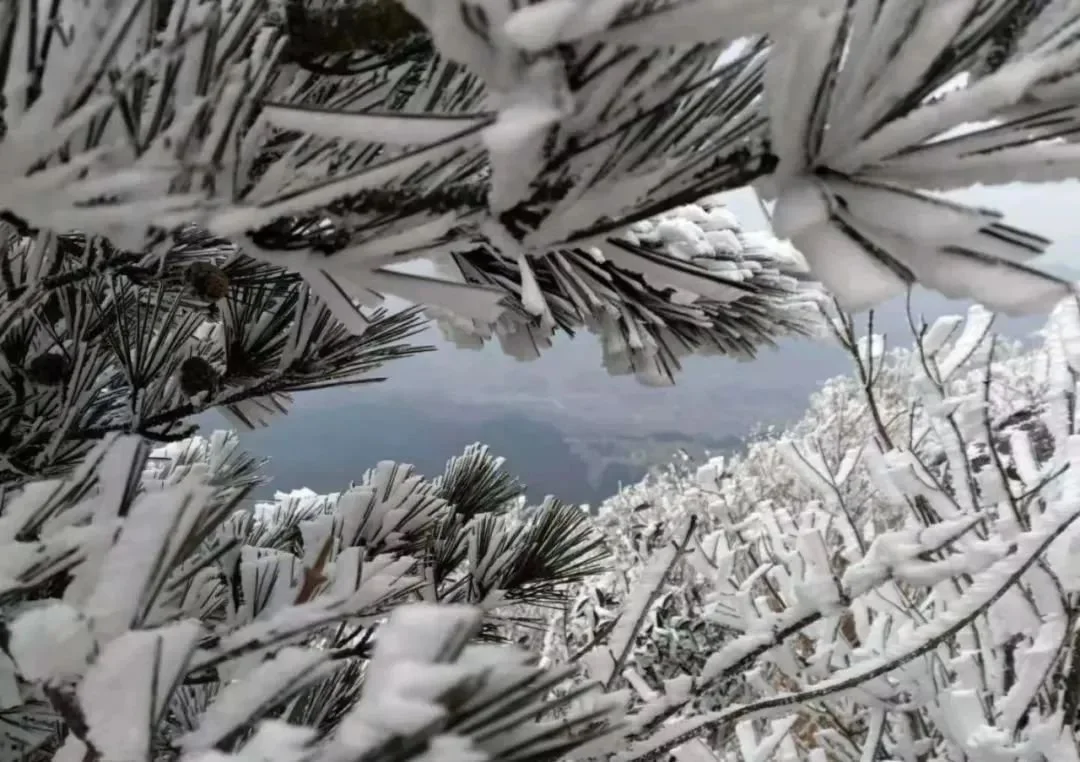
[(891, 577)]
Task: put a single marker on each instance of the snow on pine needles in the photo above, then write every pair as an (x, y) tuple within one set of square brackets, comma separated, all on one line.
[(516, 145), (147, 614)]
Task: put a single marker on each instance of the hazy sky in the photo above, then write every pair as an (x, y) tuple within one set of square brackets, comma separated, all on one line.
[(1049, 210)]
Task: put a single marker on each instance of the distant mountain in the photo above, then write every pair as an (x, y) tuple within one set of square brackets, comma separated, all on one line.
[(713, 396), (324, 448)]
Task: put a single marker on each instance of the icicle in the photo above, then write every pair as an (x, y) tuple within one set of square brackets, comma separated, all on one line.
[(531, 296)]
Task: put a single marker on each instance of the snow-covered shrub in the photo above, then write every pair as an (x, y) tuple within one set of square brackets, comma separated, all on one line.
[(891, 577), (155, 577)]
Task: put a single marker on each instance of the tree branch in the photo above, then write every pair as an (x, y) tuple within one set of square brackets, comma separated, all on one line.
[(348, 26), (710, 723), (628, 647), (171, 417)]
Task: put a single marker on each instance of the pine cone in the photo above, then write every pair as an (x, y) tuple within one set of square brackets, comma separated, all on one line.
[(208, 281), (348, 26), (197, 376), (239, 364), (49, 369)]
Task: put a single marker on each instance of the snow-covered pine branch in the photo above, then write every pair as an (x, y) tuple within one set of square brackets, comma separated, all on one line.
[(140, 574), (516, 146), (645, 331), (99, 340)]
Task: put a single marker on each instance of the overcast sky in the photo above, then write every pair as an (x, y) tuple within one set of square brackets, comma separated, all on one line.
[(1049, 210)]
